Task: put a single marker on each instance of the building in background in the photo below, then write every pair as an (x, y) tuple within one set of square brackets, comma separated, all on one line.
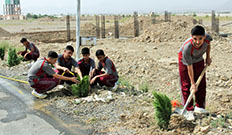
[(12, 10)]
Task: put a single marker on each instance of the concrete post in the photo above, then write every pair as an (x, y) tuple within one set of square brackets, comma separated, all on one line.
[(213, 20), (153, 18), (78, 30), (136, 25), (68, 28), (97, 27), (103, 30), (116, 26), (166, 16)]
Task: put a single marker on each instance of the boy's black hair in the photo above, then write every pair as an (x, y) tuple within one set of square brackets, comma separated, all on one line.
[(198, 31), (69, 47), (100, 52), (85, 51), (23, 40), (52, 54)]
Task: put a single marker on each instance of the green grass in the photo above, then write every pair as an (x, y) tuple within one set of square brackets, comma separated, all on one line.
[(144, 87), (125, 83), (220, 122)]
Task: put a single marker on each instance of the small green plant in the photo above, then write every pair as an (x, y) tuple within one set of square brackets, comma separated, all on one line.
[(123, 82), (220, 122), (163, 109), (144, 87), (82, 89), (2, 52), (12, 57)]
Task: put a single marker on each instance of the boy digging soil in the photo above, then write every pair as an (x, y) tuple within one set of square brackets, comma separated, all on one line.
[(191, 64)]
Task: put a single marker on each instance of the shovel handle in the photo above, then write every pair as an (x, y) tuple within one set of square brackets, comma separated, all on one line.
[(191, 94)]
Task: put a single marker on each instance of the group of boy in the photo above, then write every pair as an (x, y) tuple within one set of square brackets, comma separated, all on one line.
[(48, 72), (42, 77)]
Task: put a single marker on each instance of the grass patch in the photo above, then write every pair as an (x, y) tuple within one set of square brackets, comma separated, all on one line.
[(144, 87), (220, 122), (125, 83)]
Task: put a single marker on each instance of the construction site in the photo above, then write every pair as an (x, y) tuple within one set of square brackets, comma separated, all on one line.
[(144, 48)]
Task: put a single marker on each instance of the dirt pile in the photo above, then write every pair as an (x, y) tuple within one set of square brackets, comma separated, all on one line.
[(176, 30), (4, 33), (179, 124), (88, 29)]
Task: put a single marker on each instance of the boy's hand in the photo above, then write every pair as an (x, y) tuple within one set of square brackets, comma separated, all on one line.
[(194, 88), (74, 79), (25, 56), (208, 61), (66, 70), (20, 52), (93, 80)]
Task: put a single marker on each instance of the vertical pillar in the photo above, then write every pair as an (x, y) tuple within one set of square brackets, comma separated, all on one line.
[(166, 16), (213, 20), (153, 18), (78, 30), (116, 27), (97, 27), (136, 25), (103, 30), (68, 28)]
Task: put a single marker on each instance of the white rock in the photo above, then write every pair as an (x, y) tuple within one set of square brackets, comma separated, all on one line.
[(77, 101), (123, 94), (205, 129)]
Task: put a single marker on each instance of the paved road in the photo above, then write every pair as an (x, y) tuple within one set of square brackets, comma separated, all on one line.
[(23, 114)]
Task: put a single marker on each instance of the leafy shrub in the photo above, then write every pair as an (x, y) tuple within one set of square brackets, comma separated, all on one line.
[(2, 52), (163, 110), (12, 57), (82, 89)]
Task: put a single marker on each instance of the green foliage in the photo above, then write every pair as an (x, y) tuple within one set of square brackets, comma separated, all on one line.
[(2, 52), (220, 122), (82, 89), (194, 15), (144, 87), (163, 110), (34, 16), (12, 57), (123, 82)]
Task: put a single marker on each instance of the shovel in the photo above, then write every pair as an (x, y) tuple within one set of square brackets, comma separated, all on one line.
[(192, 93)]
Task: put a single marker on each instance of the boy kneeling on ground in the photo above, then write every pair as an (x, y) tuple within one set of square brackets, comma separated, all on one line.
[(86, 65), (65, 63), (34, 51), (43, 78), (107, 78)]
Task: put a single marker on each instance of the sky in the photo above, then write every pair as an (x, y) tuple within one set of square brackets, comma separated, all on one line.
[(120, 6)]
